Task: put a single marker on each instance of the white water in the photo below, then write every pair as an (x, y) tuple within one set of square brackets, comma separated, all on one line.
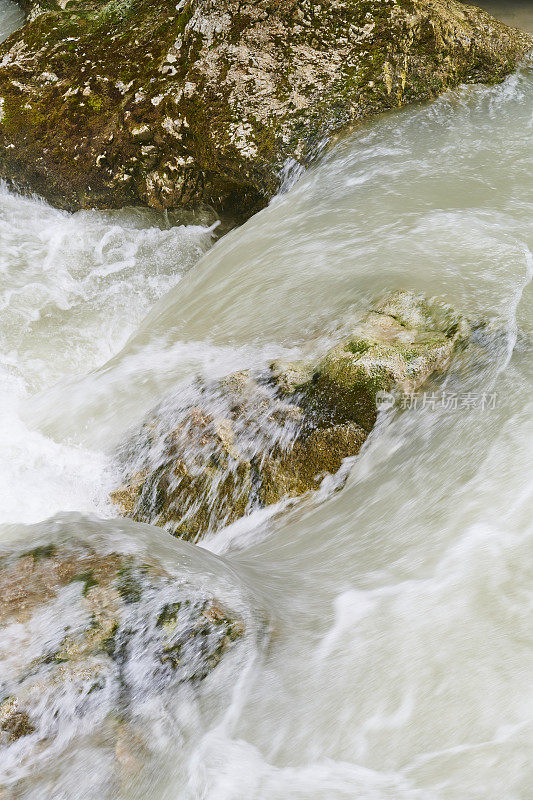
[(402, 662)]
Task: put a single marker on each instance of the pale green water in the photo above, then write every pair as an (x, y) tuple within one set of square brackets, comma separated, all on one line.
[(513, 12), (402, 662)]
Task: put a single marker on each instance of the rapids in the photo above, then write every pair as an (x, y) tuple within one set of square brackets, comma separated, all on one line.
[(401, 662)]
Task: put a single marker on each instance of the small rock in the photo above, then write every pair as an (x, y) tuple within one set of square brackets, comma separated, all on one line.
[(249, 441), (91, 640)]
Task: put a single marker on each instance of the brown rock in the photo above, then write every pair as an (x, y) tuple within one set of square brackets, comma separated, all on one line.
[(176, 104), (246, 442)]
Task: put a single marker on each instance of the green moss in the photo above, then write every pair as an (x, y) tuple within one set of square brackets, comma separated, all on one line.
[(115, 11), (184, 17), (129, 585), (95, 102), (168, 615), (409, 354), (88, 580), (358, 347), (109, 645), (41, 552)]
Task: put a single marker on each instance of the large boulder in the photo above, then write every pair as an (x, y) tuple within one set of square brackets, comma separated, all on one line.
[(221, 449), (172, 104), (95, 640)]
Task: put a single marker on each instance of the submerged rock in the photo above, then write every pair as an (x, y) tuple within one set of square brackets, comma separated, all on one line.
[(93, 642), (227, 447), (174, 104)]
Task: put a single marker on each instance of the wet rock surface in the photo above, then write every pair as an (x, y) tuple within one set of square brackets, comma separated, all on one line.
[(147, 101), (93, 643), (224, 448)]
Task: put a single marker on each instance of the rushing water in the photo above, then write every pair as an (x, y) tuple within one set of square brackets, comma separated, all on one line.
[(513, 12), (401, 667), (11, 18)]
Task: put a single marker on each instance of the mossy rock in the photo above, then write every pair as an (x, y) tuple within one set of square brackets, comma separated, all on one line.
[(249, 441), (171, 104), (401, 342), (92, 639)]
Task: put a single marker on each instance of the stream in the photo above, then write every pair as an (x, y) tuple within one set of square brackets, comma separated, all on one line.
[(401, 661)]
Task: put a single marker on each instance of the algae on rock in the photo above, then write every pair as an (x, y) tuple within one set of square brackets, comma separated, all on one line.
[(147, 101)]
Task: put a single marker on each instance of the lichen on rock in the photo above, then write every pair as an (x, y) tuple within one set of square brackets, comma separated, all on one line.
[(148, 101), (223, 448)]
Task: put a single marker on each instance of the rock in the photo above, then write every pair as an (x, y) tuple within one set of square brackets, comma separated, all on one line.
[(92, 639), (403, 340), (296, 470), (13, 722), (224, 448), (290, 376), (171, 104), (198, 464)]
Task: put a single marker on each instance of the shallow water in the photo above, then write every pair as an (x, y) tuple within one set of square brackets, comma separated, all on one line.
[(402, 663)]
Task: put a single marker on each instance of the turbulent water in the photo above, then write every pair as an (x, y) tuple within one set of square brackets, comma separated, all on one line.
[(401, 665)]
